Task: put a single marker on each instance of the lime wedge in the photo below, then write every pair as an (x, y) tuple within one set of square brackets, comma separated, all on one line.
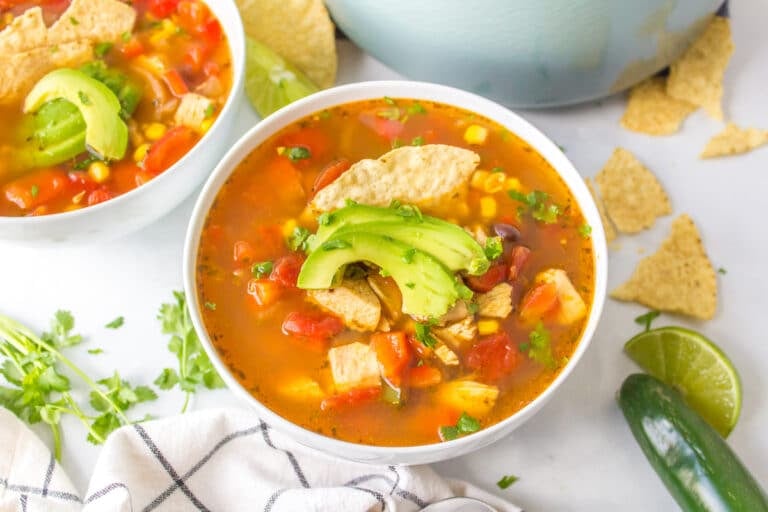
[(695, 366), (270, 82)]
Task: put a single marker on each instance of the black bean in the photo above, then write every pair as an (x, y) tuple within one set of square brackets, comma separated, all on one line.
[(507, 231)]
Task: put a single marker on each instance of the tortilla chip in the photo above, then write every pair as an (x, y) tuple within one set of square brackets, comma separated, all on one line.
[(26, 32), (300, 31), (94, 20), (632, 195), (679, 278), (420, 175), (651, 110), (697, 77), (734, 140), (610, 231)]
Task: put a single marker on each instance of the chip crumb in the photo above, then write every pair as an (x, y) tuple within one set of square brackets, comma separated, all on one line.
[(734, 140), (652, 111), (610, 231), (678, 278), (632, 195), (697, 76)]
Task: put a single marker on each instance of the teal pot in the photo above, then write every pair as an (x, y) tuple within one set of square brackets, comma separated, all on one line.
[(525, 53)]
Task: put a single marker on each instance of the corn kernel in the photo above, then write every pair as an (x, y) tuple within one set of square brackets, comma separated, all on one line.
[(141, 153), (288, 227), (494, 182), (280, 150), (77, 198), (512, 184), (99, 172), (475, 134), (478, 179), (165, 30), (486, 327), (154, 131), (487, 207), (206, 125)]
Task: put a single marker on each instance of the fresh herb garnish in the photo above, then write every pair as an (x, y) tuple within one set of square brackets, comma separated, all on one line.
[(116, 323), (195, 368), (389, 101), (647, 318), (424, 336), (34, 190), (95, 351), (410, 285), (298, 239), (416, 108), (409, 254), (722, 271), (506, 481), (497, 169), (84, 99), (417, 141), (101, 49), (85, 162), (393, 113), (540, 349), (466, 424), (585, 230), (116, 393), (211, 306), (211, 109), (473, 308), (538, 205), (325, 219), (262, 269), (125, 36), (295, 153), (493, 247), (333, 244), (60, 335), (73, 20)]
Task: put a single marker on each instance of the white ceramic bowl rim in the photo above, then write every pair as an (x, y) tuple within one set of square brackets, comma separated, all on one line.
[(233, 29), (394, 89)]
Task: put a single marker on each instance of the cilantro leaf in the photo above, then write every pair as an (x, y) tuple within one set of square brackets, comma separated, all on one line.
[(295, 153), (540, 348), (60, 335), (647, 319), (298, 239), (466, 424), (262, 269), (585, 230), (167, 379), (539, 205), (424, 336), (116, 323), (506, 481), (493, 247)]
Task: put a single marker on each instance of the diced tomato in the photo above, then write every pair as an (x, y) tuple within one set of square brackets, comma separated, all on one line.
[(538, 301), (387, 128), (393, 353), (196, 56), (517, 260), (211, 31), (351, 398), (99, 195), (314, 139), (132, 48), (493, 357), (318, 326), (175, 83), (243, 252), (80, 180), (35, 189), (264, 291), (286, 270), (162, 8), (169, 149), (329, 174), (424, 376), (495, 274)]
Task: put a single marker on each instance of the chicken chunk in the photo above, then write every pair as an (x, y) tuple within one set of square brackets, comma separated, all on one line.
[(496, 303), (354, 366), (447, 356), (571, 306), (353, 301), (193, 110), (458, 333)]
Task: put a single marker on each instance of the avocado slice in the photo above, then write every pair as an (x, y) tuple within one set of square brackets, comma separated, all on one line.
[(106, 134), (453, 246), (428, 287)]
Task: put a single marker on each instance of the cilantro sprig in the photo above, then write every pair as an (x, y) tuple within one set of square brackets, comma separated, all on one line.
[(539, 346), (195, 368), (466, 424), (646, 319), (538, 205)]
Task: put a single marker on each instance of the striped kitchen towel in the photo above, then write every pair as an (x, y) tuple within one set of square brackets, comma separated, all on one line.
[(226, 460)]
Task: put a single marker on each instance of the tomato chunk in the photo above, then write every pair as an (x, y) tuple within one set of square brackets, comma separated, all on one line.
[(318, 326), (35, 189), (393, 353), (493, 357), (517, 260), (264, 291), (330, 172), (162, 8), (540, 300), (286, 270), (169, 149), (484, 283), (175, 83), (424, 376), (350, 398)]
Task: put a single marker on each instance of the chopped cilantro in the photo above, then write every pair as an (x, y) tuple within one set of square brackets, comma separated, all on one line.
[(333, 244), (409, 254), (417, 141), (95, 351), (424, 336), (125, 36), (410, 285), (506, 481), (102, 49), (73, 20), (497, 169), (449, 433), (540, 349), (397, 143), (585, 230), (34, 190), (325, 114), (60, 334), (538, 205), (493, 247), (325, 219), (722, 271), (297, 153), (647, 318), (262, 269), (116, 323), (211, 306), (298, 239), (392, 113), (561, 148), (211, 109), (473, 308), (416, 108), (389, 101), (466, 424), (84, 99)]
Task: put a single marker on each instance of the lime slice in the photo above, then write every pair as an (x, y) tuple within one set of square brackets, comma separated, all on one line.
[(270, 82), (695, 366)]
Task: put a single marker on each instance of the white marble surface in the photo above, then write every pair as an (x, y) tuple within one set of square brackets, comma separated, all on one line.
[(577, 454)]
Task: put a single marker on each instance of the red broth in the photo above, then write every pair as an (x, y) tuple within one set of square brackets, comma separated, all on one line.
[(176, 47), (265, 198)]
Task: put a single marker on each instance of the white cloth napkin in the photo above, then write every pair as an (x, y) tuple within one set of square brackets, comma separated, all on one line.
[(224, 459)]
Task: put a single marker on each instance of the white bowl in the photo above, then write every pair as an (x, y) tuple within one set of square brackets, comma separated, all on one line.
[(147, 203), (396, 89)]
